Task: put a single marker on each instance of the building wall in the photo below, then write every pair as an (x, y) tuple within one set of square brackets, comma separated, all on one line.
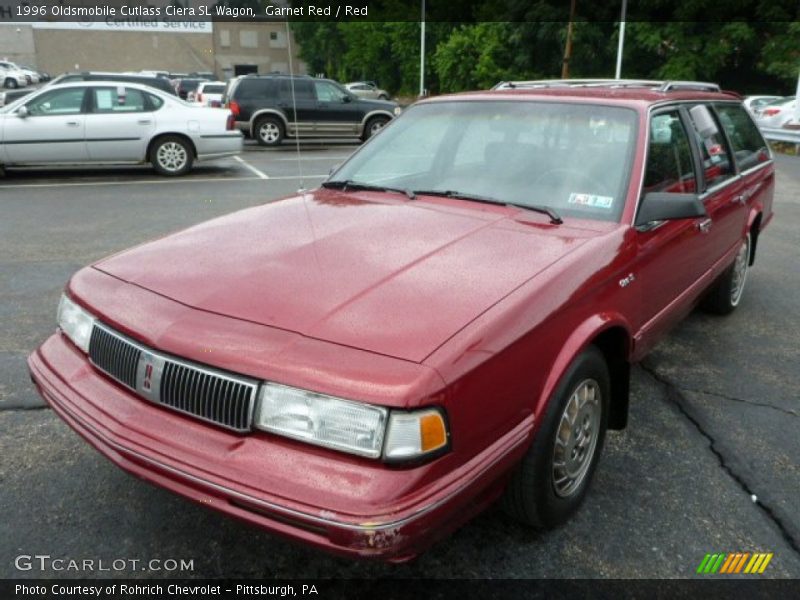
[(260, 44), (17, 45), (58, 51)]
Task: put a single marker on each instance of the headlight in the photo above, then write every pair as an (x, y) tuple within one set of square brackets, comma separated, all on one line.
[(414, 434), (397, 111), (75, 322), (323, 420), (354, 427)]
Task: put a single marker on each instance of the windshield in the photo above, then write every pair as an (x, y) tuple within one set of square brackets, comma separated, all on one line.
[(573, 158)]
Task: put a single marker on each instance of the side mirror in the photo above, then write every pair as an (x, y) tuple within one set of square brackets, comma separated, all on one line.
[(665, 206), (346, 98), (22, 112)]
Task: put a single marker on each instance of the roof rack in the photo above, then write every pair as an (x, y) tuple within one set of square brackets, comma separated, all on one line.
[(661, 86)]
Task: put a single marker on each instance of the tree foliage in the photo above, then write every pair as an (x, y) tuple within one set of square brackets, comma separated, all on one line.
[(758, 50)]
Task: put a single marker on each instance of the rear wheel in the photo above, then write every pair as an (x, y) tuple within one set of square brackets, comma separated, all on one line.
[(551, 482), (269, 131), (373, 126), (171, 155), (727, 293)]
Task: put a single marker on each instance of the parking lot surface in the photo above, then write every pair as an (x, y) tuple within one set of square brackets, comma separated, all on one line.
[(708, 464)]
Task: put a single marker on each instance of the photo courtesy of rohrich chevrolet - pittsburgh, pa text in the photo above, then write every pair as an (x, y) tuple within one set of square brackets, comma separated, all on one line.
[(400, 299)]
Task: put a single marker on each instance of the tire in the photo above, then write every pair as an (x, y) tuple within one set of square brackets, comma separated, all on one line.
[(269, 131), (383, 97), (11, 83), (726, 294), (171, 156), (373, 126), (545, 491)]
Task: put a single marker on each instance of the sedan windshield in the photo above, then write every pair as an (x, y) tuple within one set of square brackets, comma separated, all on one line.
[(572, 158)]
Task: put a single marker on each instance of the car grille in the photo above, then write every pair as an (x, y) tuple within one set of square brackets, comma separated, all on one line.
[(203, 392)]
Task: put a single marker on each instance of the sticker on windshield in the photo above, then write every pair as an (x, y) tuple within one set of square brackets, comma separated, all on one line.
[(591, 200)]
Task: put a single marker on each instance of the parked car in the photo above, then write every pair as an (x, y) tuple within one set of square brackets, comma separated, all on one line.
[(775, 114), (208, 93), (753, 103), (28, 77), (158, 83), (271, 108), (207, 75), (186, 86), (112, 122), (449, 320), (12, 77), (367, 89)]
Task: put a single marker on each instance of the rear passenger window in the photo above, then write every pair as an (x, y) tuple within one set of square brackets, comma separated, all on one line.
[(670, 167), (120, 99), (256, 88), (749, 147), (717, 165)]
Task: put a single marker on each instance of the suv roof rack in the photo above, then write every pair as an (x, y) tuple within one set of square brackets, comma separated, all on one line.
[(661, 86)]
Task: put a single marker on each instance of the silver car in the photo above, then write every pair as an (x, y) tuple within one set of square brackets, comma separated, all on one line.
[(107, 122), (367, 89)]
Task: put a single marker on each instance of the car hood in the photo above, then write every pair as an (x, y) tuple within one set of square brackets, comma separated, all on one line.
[(364, 270), (376, 104)]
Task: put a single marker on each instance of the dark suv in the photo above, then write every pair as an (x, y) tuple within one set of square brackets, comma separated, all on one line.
[(157, 82), (265, 109)]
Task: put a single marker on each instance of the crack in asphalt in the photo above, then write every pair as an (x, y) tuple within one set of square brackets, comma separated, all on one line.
[(787, 411), (11, 408), (675, 395)]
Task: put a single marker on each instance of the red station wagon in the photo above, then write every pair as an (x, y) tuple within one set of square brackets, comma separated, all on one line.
[(450, 319)]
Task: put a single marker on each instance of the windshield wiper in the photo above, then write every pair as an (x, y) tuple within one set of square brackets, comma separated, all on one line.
[(349, 184), (555, 218)]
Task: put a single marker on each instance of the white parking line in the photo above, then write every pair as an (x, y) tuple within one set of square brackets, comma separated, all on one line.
[(294, 159), (155, 181), (250, 167)]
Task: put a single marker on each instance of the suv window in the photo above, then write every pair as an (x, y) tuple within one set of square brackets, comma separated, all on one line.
[(256, 88), (303, 89), (749, 147), (670, 166), (57, 102), (327, 92)]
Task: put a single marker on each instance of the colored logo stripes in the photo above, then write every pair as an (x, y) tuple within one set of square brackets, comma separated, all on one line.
[(735, 562)]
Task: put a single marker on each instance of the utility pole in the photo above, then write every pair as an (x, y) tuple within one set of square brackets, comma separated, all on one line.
[(568, 46), (422, 53), (618, 73)]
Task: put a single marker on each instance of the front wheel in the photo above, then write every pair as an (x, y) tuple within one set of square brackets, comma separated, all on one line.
[(171, 156), (11, 83), (727, 293), (373, 126), (551, 482)]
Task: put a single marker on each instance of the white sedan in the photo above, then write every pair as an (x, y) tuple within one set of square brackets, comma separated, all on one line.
[(107, 122)]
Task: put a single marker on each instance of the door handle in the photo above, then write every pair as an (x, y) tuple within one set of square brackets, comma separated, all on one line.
[(144, 121), (704, 226), (741, 199), (72, 123)]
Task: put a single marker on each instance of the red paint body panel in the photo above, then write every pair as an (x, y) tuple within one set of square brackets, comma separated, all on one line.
[(476, 309)]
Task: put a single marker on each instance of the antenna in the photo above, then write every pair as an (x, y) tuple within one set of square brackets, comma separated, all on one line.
[(294, 109)]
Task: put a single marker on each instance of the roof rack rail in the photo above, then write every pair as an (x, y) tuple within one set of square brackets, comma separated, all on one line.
[(689, 85), (662, 86)]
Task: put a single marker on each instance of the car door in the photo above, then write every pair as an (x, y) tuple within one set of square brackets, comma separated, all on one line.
[(51, 129), (298, 102), (722, 193), (119, 124), (337, 112), (669, 253)]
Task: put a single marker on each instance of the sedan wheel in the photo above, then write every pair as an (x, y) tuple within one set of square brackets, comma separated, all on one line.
[(11, 83), (171, 156)]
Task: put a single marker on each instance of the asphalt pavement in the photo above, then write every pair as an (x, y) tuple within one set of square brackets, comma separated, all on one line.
[(708, 464)]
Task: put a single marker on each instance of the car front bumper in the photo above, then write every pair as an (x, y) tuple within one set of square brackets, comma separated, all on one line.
[(203, 463)]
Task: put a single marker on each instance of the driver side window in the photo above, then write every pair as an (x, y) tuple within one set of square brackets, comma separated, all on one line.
[(670, 166), (327, 92), (58, 102)]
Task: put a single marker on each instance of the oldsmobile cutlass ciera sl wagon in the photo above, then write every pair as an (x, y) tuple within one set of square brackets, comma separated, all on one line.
[(450, 319)]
